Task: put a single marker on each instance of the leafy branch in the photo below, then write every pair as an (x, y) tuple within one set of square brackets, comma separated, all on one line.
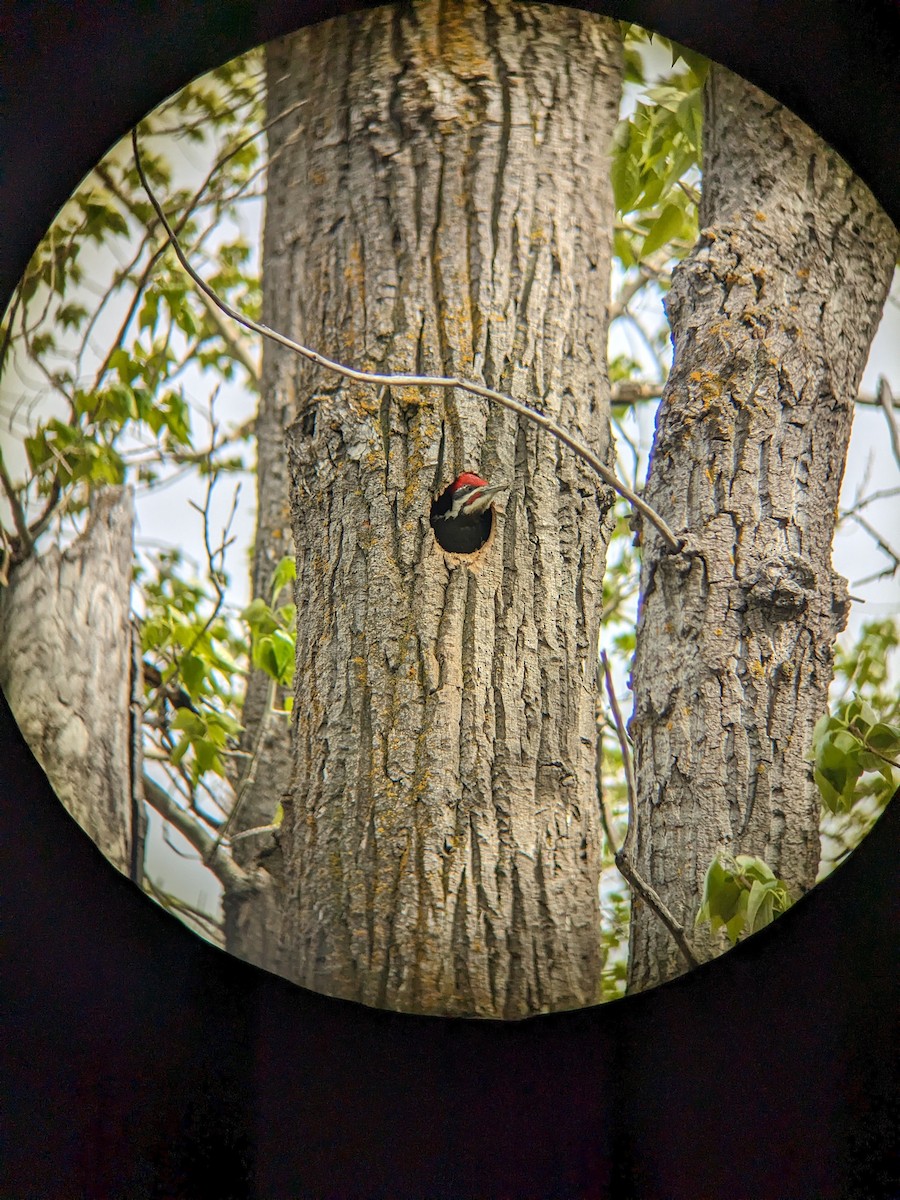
[(741, 895)]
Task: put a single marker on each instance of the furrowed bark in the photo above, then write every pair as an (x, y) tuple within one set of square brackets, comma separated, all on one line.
[(772, 315), (445, 208)]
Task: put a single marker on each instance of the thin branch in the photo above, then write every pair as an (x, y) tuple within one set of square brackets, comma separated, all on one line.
[(606, 815), (17, 511), (886, 400), (250, 777), (416, 381), (882, 545), (619, 306), (628, 391), (234, 345), (872, 498), (208, 925), (214, 856), (647, 893), (256, 832), (37, 527), (6, 557), (7, 334), (624, 746)]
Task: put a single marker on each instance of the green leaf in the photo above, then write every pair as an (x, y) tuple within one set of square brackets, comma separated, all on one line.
[(760, 905), (259, 617), (207, 758), (666, 226), (264, 656), (625, 179), (755, 868), (741, 894), (149, 312), (71, 316), (193, 672), (884, 738), (284, 573), (831, 796), (284, 650), (181, 748), (844, 743), (190, 723)]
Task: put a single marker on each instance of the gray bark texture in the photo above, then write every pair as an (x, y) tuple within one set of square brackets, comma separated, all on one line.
[(441, 204), (70, 670), (772, 315)]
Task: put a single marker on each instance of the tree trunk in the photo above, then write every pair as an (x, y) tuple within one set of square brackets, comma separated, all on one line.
[(444, 207), (69, 665), (772, 315)]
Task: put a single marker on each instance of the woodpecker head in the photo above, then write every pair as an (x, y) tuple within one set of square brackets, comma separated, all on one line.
[(461, 516), (470, 495)]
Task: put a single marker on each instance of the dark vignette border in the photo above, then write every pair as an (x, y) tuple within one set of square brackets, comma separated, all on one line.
[(140, 1062)]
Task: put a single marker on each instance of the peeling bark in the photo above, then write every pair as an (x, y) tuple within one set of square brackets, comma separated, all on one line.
[(444, 207), (772, 315), (69, 666)]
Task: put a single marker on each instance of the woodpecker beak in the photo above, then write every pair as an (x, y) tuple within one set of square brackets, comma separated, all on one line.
[(481, 498)]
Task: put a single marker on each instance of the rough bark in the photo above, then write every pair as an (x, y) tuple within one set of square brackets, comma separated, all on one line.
[(68, 667), (444, 208), (772, 315)]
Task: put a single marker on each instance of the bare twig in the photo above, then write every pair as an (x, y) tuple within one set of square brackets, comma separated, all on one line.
[(255, 832), (886, 400), (647, 893), (250, 777), (622, 735), (606, 814), (17, 511), (872, 498), (6, 556), (207, 924), (235, 347), (214, 856), (628, 391), (7, 334), (417, 381), (882, 545)]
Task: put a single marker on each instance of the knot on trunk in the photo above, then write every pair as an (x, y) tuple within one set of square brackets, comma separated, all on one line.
[(782, 586)]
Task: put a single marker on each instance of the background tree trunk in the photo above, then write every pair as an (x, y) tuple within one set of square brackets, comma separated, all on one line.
[(69, 666), (441, 203), (772, 315)]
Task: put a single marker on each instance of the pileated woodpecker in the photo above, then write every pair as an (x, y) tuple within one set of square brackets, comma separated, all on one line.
[(461, 516)]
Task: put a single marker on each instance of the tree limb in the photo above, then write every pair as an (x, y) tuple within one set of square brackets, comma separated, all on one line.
[(218, 860), (417, 381)]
